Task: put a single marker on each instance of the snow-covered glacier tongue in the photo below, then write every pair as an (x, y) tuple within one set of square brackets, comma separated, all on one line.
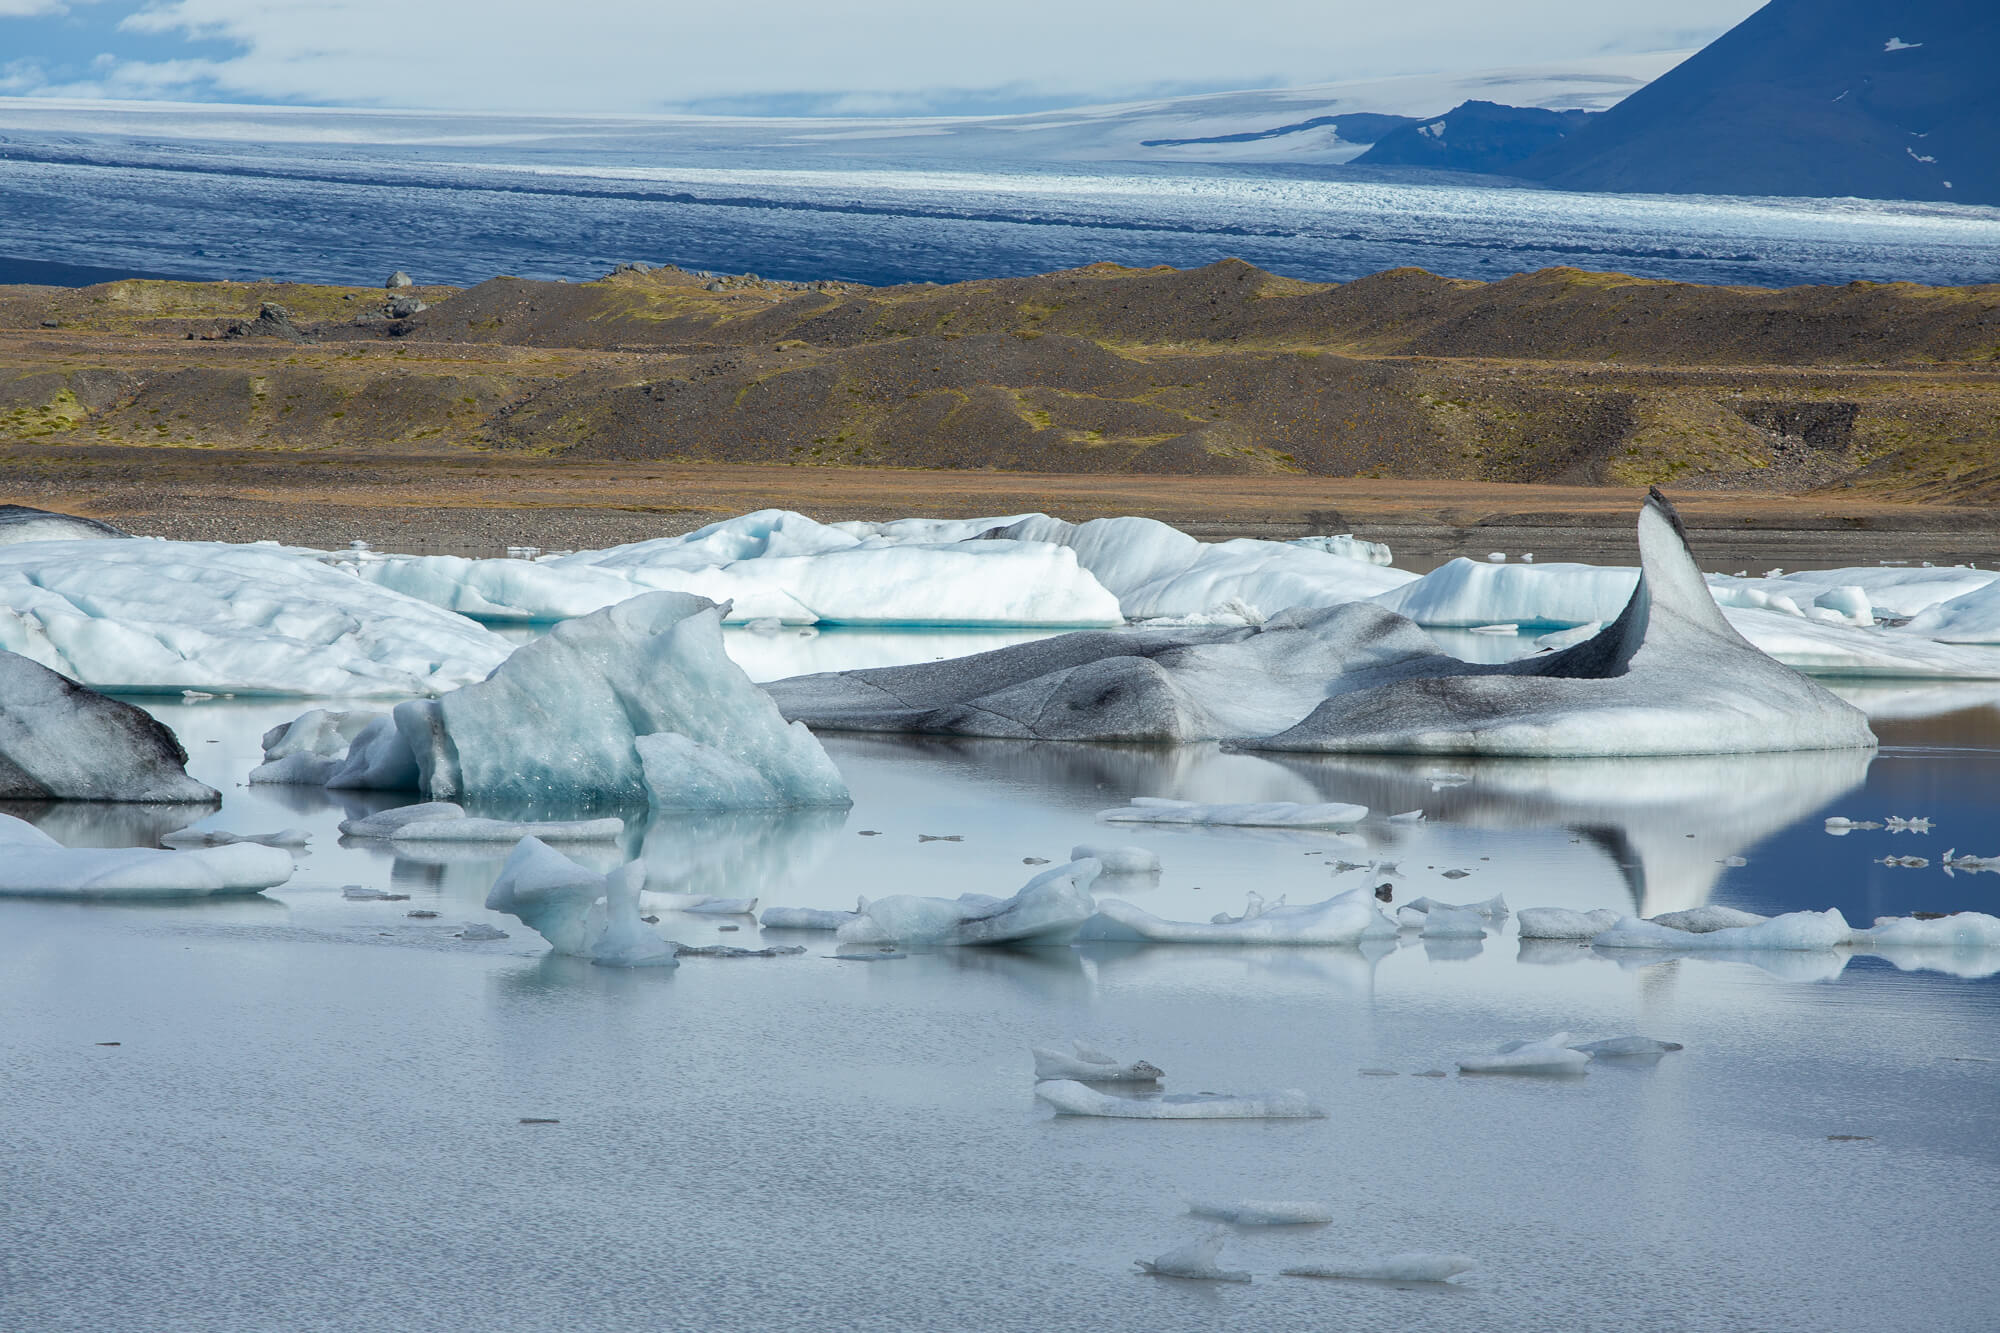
[(155, 616), (637, 703), (60, 740)]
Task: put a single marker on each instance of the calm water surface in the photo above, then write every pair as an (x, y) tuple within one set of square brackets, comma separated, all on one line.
[(312, 1120)]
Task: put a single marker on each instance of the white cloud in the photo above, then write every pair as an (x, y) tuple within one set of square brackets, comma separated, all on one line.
[(20, 9), (862, 56)]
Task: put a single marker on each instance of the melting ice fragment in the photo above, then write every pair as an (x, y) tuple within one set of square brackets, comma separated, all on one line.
[(1262, 1212), (1046, 910), (1626, 1047), (808, 918), (34, 865), (1345, 918), (1118, 860), (1196, 1259), (1069, 1097), (1089, 1064), (579, 912), (290, 838), (1550, 1055)]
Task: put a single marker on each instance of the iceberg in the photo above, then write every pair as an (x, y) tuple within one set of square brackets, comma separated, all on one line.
[(1048, 909), (148, 615), (1494, 908), (1793, 930), (1086, 1063), (442, 821), (1416, 1266), (1196, 1259), (1119, 860), (1258, 814), (62, 741), (807, 918), (1836, 650), (774, 565), (354, 750), (1954, 930), (579, 912), (635, 702), (1560, 923), (1345, 918), (34, 865), (1972, 616), (1668, 676), (1262, 1212), (24, 523), (1070, 1097), (1550, 1055)]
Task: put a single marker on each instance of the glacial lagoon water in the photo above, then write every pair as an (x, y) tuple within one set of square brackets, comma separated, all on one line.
[(312, 1119)]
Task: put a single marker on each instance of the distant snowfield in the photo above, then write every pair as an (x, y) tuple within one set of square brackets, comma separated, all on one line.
[(1112, 132)]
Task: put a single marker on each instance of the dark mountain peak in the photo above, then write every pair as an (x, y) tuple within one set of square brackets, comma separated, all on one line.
[(1474, 136)]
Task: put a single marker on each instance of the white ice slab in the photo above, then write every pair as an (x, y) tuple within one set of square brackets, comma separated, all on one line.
[(1345, 918), (1069, 1097), (34, 865), (1047, 910)]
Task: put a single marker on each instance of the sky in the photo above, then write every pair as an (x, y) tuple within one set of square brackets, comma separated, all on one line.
[(793, 57)]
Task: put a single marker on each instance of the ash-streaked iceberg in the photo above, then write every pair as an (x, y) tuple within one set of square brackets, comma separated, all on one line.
[(1070, 1097), (1048, 909), (34, 865), (1345, 918), (158, 616), (579, 912), (62, 741)]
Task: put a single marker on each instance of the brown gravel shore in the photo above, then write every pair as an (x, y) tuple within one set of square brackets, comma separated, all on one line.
[(482, 503)]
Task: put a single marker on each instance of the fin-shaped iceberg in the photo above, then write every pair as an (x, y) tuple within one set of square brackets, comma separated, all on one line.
[(1345, 918), (34, 865), (60, 740), (1046, 910), (578, 911), (1069, 1097), (1196, 1259), (1086, 1063)]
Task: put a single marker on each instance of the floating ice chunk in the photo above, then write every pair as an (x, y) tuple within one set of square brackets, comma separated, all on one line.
[(699, 904), (1732, 861), (1957, 930), (444, 821), (736, 951), (1345, 918), (287, 838), (566, 715), (1070, 1097), (1496, 557), (1840, 826), (1262, 1212), (479, 930), (1196, 1259), (312, 747), (1091, 1065), (1626, 1046), (261, 619), (1906, 862), (808, 918), (1827, 649), (1560, 923), (1261, 814), (1897, 824), (1973, 616), (1446, 923), (1415, 1266), (361, 893), (59, 740), (1551, 1055), (1494, 907), (34, 865), (578, 911), (1408, 817), (1047, 910), (1702, 920), (1119, 860), (1968, 862), (1793, 930)]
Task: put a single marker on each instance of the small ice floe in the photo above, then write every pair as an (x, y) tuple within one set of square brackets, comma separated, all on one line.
[(1262, 1212), (809, 918), (1034, 860), (1416, 1266), (733, 951), (1345, 918), (1494, 907), (698, 904), (1952, 930), (1792, 931), (1408, 817), (1456, 874), (1047, 910), (479, 930), (1561, 923), (1732, 861), (359, 893), (34, 865), (578, 911), (1702, 920), (288, 838), (1196, 1259), (1625, 1047), (1070, 1097), (1496, 557), (1494, 629), (1968, 862), (1550, 1055), (1089, 1064), (1118, 860), (1259, 814), (1898, 824), (1906, 862), (1446, 923), (1442, 781), (445, 821), (1840, 826)]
